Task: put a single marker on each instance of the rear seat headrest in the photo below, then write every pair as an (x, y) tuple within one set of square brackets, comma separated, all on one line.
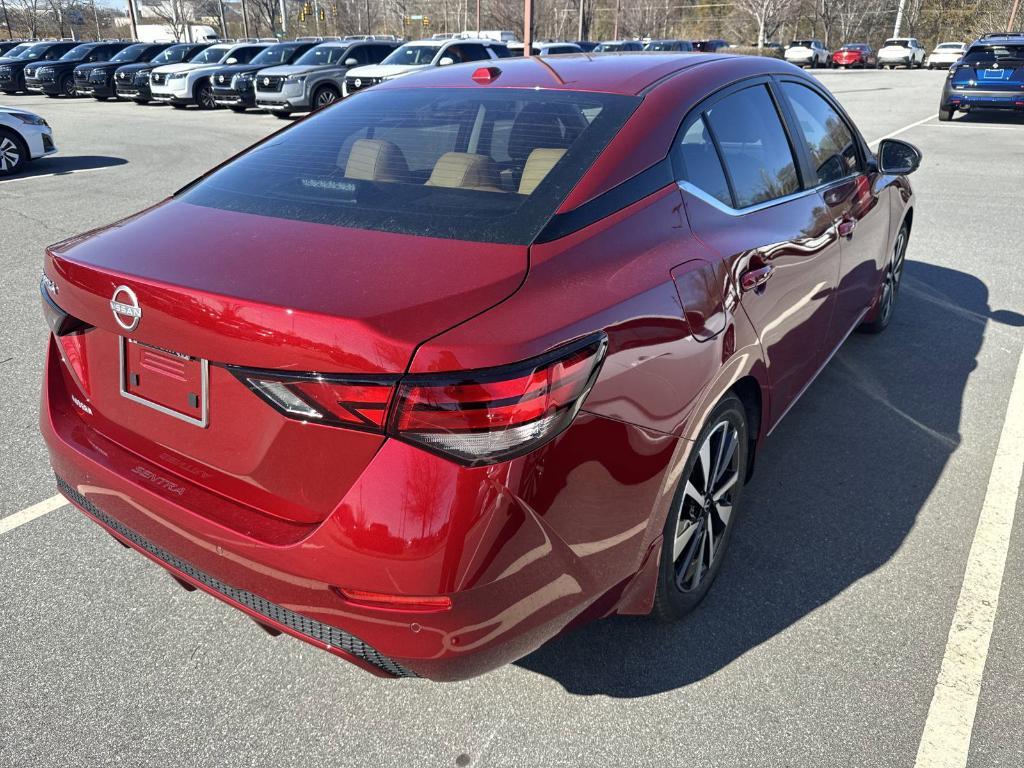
[(376, 160), (464, 170), (538, 166)]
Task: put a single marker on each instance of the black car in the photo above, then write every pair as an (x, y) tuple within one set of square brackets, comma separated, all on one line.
[(131, 81), (96, 79), (710, 46), (12, 71), (6, 46), (57, 78), (15, 51), (233, 85)]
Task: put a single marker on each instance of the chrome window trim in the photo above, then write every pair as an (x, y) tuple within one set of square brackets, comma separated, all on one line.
[(713, 201), (204, 397)]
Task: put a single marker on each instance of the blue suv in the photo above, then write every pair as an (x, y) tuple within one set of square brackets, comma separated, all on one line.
[(989, 76)]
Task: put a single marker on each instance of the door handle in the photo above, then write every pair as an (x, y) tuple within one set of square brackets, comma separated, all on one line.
[(755, 278), (846, 227)]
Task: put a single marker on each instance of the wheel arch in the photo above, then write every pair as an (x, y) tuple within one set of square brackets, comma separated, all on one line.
[(748, 390)]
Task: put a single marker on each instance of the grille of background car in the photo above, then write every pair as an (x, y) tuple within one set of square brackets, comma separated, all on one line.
[(364, 82), (158, 78), (270, 83)]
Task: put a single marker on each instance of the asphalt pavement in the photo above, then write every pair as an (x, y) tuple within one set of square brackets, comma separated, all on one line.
[(820, 644)]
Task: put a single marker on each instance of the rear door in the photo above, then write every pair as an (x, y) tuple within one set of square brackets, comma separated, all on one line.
[(835, 162), (747, 201)]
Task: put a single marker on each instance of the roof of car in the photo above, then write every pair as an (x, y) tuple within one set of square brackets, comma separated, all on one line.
[(1000, 37), (628, 74)]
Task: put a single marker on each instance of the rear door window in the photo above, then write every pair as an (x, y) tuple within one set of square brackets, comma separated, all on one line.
[(830, 141), (700, 164), (755, 150)]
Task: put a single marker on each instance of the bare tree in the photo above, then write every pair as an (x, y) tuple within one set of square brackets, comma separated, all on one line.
[(768, 15), (177, 14)]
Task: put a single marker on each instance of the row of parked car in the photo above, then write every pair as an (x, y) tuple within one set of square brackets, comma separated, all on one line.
[(895, 52), (280, 77)]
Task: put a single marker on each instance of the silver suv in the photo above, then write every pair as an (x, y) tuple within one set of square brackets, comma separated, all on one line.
[(317, 78)]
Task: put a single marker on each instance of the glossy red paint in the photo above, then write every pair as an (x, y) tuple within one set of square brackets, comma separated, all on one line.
[(852, 57), (296, 513)]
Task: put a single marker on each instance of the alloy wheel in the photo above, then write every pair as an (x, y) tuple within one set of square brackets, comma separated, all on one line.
[(325, 98), (206, 98), (68, 87), (707, 505), (10, 154), (893, 275)]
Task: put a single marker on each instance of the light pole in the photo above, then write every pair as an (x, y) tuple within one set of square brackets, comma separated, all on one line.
[(1009, 24), (527, 27), (131, 19), (899, 19), (579, 34)]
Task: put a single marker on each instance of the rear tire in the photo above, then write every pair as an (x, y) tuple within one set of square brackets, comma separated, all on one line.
[(945, 115), (13, 153), (890, 287), (703, 514)]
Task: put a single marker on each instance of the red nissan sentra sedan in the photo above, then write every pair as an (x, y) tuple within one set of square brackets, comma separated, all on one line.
[(473, 356)]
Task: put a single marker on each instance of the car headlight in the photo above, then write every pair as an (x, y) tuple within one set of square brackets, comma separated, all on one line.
[(177, 76), (296, 79), (28, 118)]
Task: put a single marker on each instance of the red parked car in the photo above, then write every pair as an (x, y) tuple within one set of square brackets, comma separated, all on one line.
[(474, 356), (855, 55)]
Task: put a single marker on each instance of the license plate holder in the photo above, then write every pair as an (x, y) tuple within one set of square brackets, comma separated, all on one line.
[(170, 382)]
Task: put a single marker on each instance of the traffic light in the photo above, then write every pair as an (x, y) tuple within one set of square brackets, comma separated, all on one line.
[(426, 21), (323, 15)]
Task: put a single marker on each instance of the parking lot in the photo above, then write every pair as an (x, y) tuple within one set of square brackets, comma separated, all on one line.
[(820, 645)]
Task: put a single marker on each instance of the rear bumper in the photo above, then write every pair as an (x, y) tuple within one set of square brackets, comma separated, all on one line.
[(519, 557), (980, 99)]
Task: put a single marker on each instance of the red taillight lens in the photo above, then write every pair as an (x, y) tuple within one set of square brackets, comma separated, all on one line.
[(337, 401), (396, 602), (486, 416), (473, 417)]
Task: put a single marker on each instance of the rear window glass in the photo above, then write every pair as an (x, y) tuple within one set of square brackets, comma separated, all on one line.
[(896, 44), (441, 162), (986, 54)]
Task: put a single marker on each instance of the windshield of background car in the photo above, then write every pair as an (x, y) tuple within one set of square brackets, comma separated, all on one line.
[(210, 56), (989, 54), (412, 54), (172, 55), (76, 53), (486, 166), (608, 47), (130, 53), (36, 51), (275, 54), (896, 44), (949, 47), (323, 54), (801, 44), (17, 51)]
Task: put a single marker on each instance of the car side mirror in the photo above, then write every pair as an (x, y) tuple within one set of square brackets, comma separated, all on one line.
[(898, 158), (445, 61), (232, 60), (351, 62)]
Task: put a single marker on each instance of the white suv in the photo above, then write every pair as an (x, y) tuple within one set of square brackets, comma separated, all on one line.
[(808, 53), (946, 54), (189, 83), (901, 52), (24, 136), (418, 55)]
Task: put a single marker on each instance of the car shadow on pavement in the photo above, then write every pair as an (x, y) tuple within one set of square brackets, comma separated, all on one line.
[(69, 164), (836, 490), (991, 117)]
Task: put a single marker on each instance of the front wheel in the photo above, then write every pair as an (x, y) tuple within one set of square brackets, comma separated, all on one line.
[(890, 286), (703, 512), (324, 97), (13, 154), (204, 96), (67, 87)]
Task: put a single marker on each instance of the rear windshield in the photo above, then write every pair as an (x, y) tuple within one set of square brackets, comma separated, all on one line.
[(854, 47), (896, 44), (486, 166), (986, 54), (801, 44), (950, 46)]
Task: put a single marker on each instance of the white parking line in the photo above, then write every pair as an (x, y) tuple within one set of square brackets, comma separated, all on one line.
[(57, 173), (946, 739), (898, 131), (11, 522)]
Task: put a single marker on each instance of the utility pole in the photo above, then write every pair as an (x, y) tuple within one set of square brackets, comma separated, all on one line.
[(132, 19), (367, 17), (478, 18), (223, 23), (284, 21), (96, 18), (899, 19), (579, 32), (1009, 24), (527, 27), (245, 20), (615, 34)]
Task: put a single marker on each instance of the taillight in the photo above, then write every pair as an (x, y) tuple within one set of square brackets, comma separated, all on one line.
[(473, 417)]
